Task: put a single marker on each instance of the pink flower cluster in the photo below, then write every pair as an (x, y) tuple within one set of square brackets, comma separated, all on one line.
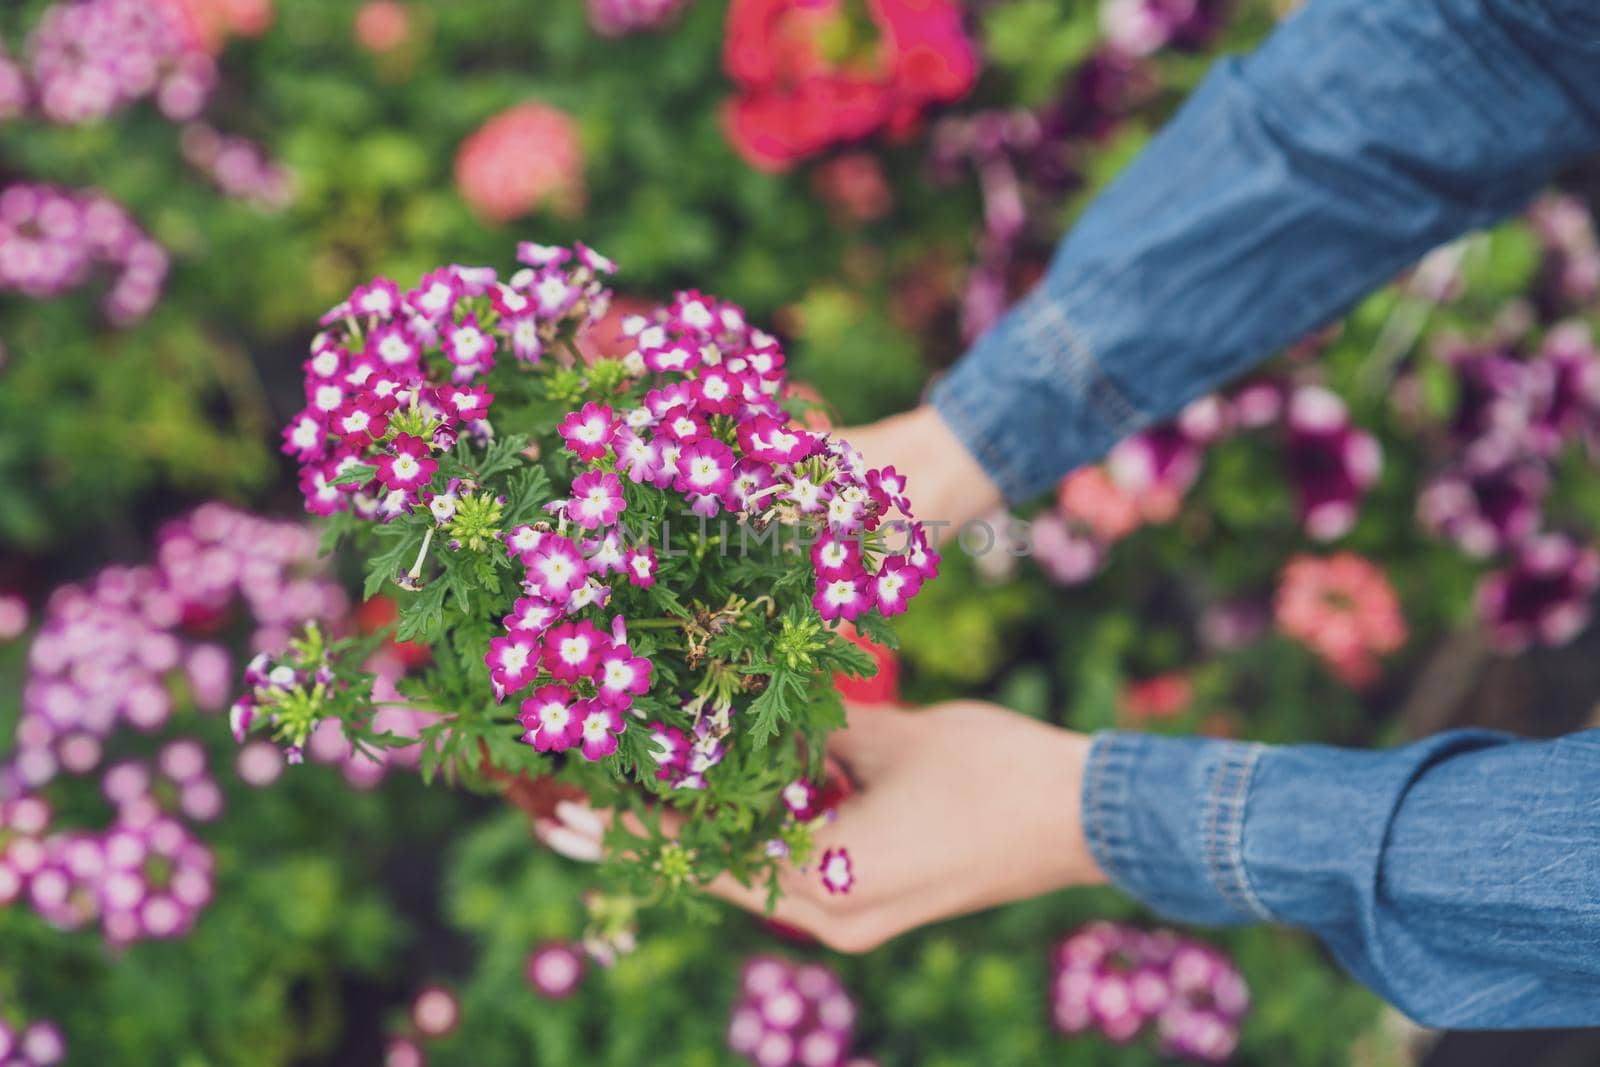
[(616, 18), (1343, 608), (53, 240), (240, 168), (1543, 595), (145, 876), (682, 760), (89, 58), (1331, 462), (712, 367), (521, 158), (792, 1015), (117, 652), (38, 1044), (1123, 982), (111, 653), (368, 370), (1512, 419), (771, 470)]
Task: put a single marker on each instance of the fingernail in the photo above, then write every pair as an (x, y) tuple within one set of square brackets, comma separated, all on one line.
[(569, 843), (580, 817)]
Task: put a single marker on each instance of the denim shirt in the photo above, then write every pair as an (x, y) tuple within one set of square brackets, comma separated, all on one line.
[(1458, 877)]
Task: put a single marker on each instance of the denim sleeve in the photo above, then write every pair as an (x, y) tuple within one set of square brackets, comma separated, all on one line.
[(1458, 877), (1293, 181)]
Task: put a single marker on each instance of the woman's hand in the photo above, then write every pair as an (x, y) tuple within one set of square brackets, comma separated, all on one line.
[(959, 807)]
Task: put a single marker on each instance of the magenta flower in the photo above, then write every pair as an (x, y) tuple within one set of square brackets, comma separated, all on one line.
[(379, 298), (621, 676), (838, 874), (767, 439), (1543, 595), (556, 569), (532, 615), (589, 432), (572, 650), (596, 499), (705, 468), (465, 404), (800, 797), (791, 1015), (361, 421), (896, 582), (467, 344), (549, 719), (513, 661), (841, 598), (306, 437), (396, 347), (436, 295), (555, 971), (523, 541), (680, 424), (641, 564), (1568, 374), (598, 727), (1496, 398), (1488, 512), (1125, 982), (406, 465), (835, 556), (1332, 462), (638, 457)]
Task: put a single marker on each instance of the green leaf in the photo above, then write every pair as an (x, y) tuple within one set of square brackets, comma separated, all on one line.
[(358, 475), (775, 706), (877, 629), (422, 615)]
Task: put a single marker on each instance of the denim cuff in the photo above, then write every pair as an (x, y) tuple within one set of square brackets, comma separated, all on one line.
[(1165, 820), (1030, 401)]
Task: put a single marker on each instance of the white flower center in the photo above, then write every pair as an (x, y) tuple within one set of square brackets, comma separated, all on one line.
[(468, 344), (394, 350)]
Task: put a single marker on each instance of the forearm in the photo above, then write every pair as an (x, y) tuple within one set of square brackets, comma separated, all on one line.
[(1294, 181), (1455, 876)]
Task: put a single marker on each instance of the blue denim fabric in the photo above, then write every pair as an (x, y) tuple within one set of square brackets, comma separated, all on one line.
[(1458, 877), (1294, 180)]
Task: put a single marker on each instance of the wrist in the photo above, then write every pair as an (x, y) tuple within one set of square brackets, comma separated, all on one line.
[(946, 482), (1071, 863)]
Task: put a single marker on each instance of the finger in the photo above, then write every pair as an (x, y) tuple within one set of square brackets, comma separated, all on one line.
[(567, 842)]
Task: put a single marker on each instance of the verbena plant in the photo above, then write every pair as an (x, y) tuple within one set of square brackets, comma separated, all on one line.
[(631, 572)]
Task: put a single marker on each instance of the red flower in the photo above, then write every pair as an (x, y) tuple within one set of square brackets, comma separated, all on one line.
[(881, 688), (801, 90), (1161, 697), (520, 159)]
